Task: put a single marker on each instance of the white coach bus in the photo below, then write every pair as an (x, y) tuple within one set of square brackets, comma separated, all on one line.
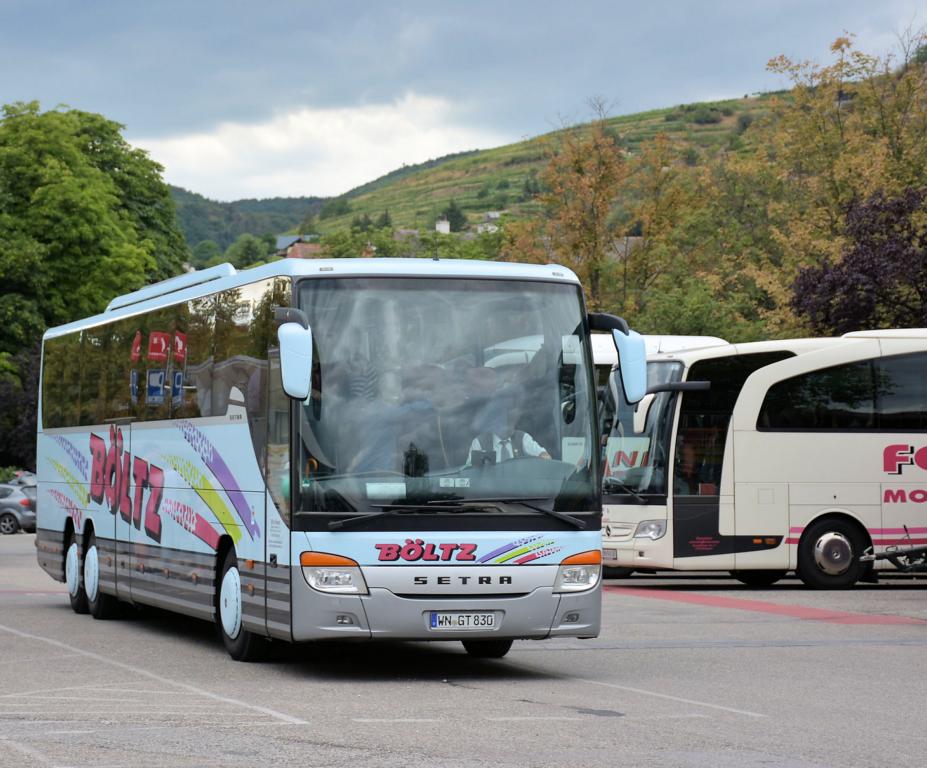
[(333, 449), (769, 457)]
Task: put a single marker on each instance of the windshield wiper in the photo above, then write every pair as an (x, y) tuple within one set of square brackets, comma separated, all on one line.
[(385, 510), (613, 481), (499, 504)]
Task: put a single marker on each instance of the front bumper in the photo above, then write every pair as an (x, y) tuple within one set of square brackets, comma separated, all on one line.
[(27, 521), (384, 615)]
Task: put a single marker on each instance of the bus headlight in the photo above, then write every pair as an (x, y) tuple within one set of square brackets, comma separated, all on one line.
[(579, 572), (650, 529), (332, 574)]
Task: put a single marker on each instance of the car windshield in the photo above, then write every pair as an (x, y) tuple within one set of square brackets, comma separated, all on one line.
[(439, 392), (636, 454)]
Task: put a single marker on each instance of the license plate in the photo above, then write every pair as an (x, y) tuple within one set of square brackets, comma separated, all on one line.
[(609, 554), (456, 621)]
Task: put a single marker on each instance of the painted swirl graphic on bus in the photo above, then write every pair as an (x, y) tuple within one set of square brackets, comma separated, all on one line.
[(216, 464)]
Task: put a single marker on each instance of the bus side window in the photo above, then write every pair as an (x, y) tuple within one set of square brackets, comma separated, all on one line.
[(194, 333)]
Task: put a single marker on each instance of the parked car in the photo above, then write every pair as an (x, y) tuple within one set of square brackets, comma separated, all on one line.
[(23, 477), (17, 508)]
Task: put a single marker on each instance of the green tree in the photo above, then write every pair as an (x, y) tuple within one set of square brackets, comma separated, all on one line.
[(384, 220), (338, 206), (205, 252), (246, 251), (455, 216), (361, 223), (66, 199), (348, 244)]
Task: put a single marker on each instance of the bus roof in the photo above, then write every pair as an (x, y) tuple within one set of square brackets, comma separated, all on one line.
[(889, 333), (798, 346), (604, 352), (224, 276)]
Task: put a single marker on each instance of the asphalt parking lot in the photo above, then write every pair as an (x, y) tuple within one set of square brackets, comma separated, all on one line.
[(687, 672)]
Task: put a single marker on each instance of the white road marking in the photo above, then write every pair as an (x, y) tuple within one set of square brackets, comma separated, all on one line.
[(654, 694), (397, 720), (59, 689), (694, 702), (529, 717), (282, 716)]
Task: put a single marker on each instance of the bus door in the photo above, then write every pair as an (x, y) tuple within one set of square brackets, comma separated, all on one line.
[(704, 528)]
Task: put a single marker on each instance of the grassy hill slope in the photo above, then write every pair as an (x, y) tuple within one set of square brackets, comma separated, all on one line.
[(495, 179), (479, 180)]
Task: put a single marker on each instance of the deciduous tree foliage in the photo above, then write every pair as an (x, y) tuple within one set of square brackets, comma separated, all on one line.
[(83, 217), (881, 281), (580, 184), (716, 246)]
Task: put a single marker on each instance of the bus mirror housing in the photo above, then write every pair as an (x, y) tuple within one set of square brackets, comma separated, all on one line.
[(632, 361), (295, 339), (632, 353)]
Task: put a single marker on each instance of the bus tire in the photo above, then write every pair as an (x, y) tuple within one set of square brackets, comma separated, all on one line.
[(487, 649), (758, 578), (72, 576), (100, 605), (241, 644), (828, 554)]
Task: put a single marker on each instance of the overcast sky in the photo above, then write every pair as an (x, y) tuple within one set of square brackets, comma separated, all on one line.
[(260, 98)]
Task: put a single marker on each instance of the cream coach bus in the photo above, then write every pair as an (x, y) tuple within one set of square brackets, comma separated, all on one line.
[(770, 457), (354, 448)]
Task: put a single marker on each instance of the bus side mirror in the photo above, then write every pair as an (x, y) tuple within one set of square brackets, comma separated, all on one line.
[(295, 339), (632, 361)]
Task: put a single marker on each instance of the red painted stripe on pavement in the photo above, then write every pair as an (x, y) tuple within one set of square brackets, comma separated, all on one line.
[(761, 606)]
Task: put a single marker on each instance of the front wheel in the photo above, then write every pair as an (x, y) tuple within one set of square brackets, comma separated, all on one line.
[(758, 579), (828, 555), (8, 523), (487, 649), (241, 644), (76, 593), (101, 605)]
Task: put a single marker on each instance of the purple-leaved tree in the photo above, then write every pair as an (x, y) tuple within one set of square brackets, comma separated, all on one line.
[(881, 282)]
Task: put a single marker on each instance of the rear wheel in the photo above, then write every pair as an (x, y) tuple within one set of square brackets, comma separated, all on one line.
[(76, 593), (8, 523), (101, 605), (487, 649), (241, 644), (759, 578), (828, 554)]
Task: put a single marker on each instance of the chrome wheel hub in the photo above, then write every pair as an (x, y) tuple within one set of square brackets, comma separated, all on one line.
[(72, 570), (230, 603), (833, 553), (91, 573)]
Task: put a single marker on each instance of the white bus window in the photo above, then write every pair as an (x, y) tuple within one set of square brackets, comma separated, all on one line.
[(704, 417), (902, 393), (880, 394)]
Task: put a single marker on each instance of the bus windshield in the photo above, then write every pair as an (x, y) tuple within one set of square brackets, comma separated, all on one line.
[(442, 394), (636, 462)]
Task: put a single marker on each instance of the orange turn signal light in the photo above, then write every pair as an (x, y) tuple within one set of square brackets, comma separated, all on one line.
[(592, 557), (324, 559)]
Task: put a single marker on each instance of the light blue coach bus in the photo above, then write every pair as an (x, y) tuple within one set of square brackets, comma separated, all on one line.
[(355, 448)]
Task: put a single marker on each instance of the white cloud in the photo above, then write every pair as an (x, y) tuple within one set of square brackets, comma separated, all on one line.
[(315, 151)]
